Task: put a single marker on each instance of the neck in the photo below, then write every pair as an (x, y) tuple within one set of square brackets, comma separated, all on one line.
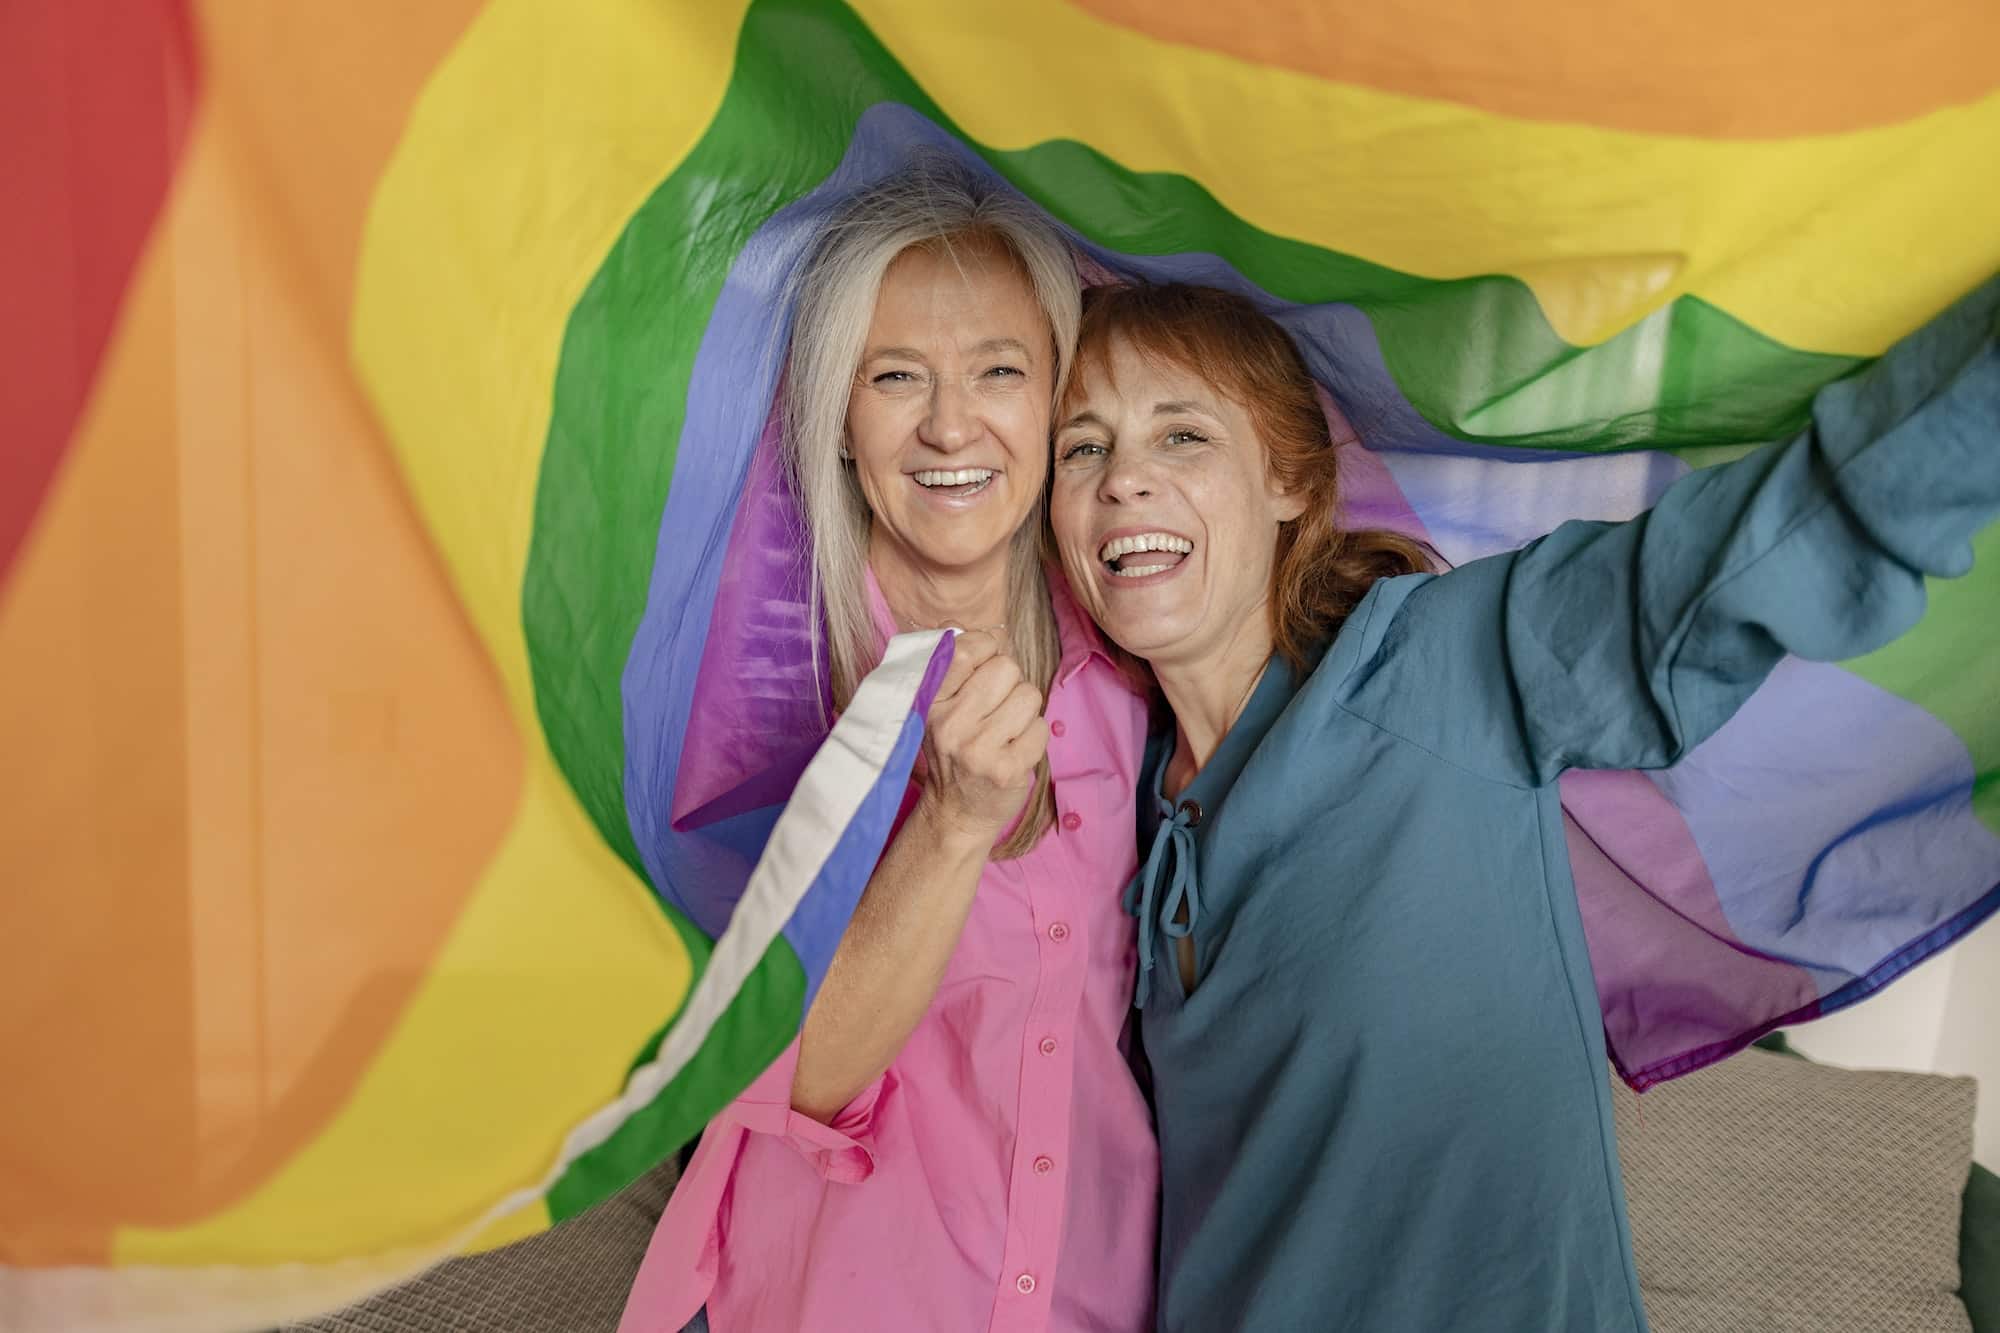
[(1208, 693), (926, 597)]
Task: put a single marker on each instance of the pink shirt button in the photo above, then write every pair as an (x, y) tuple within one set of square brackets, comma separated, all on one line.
[(1072, 821), (1059, 931), (1025, 1284), (1056, 728), (1048, 1045), (1044, 1165)]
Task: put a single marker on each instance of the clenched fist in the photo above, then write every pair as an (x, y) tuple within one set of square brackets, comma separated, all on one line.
[(984, 737)]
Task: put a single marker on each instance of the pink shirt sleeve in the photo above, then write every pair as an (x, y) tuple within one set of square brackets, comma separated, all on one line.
[(842, 1151), (679, 1270)]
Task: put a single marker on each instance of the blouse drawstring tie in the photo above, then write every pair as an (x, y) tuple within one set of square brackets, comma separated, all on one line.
[(1172, 855)]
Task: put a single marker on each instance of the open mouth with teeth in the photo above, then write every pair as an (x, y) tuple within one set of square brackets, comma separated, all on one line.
[(1144, 553), (960, 482)]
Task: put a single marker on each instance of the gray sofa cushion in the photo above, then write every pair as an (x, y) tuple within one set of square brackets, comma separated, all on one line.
[(1771, 1194), (1766, 1194), (572, 1277)]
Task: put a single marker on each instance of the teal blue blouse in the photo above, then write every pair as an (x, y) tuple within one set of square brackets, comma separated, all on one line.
[(1383, 1106)]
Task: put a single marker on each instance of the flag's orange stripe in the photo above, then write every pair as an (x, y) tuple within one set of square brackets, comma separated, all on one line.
[(318, 95), (94, 929), (257, 759), (1709, 68)]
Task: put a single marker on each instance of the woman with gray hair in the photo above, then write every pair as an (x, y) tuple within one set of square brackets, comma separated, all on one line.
[(956, 1139)]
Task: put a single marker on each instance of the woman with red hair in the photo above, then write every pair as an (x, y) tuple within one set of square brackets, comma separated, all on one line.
[(1378, 1060)]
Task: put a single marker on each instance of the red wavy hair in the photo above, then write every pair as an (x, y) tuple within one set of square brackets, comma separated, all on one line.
[(1322, 569)]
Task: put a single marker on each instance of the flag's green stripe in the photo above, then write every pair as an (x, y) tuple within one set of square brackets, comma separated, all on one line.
[(756, 1027), (1475, 356), (1950, 665)]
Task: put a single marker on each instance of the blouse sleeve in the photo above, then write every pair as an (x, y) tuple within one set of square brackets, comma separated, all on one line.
[(682, 1259), (1624, 645), (842, 1151)]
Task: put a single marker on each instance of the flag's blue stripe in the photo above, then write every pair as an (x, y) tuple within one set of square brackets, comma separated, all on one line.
[(815, 928)]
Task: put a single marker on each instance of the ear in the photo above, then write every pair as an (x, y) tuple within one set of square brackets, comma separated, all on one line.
[(1286, 505)]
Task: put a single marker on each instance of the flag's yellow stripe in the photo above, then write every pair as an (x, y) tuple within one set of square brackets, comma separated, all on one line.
[(560, 967), (1837, 243), (529, 153)]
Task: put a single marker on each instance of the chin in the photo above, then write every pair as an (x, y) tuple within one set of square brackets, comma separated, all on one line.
[(963, 550), (1143, 636)]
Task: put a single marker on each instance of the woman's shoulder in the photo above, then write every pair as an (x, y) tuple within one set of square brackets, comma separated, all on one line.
[(1371, 631), (1422, 658)]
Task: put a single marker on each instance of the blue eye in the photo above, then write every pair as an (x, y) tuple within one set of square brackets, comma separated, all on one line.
[(1186, 437), (1077, 450), (893, 377), (1007, 370)]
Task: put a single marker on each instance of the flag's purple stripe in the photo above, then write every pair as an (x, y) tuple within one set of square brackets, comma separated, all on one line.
[(761, 700), (815, 928), (1821, 872), (1502, 499), (1671, 974), (1892, 967)]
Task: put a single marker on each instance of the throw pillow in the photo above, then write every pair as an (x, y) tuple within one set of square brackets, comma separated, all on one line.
[(1772, 1194)]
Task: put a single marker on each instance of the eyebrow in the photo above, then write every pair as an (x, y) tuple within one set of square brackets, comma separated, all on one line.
[(1014, 345), (1159, 409), (1089, 418)]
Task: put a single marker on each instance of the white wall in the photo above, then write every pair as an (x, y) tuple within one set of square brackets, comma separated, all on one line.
[(1969, 1039), (1943, 1017)]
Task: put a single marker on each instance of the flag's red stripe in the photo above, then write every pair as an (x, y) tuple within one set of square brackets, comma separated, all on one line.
[(95, 101)]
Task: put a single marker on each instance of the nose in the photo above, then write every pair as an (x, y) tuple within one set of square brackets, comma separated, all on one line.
[(1127, 478), (949, 423)]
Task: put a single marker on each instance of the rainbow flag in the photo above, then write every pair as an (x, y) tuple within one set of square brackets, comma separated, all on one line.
[(402, 673)]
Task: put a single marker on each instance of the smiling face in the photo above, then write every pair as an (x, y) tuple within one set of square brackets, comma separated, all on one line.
[(949, 416), (1165, 512)]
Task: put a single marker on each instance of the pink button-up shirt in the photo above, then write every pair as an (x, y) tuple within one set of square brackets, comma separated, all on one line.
[(1002, 1173)]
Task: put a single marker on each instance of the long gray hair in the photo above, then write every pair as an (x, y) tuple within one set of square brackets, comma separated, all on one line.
[(935, 201)]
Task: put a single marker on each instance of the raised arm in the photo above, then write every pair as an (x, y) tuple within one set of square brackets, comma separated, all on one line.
[(983, 740), (1623, 645)]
